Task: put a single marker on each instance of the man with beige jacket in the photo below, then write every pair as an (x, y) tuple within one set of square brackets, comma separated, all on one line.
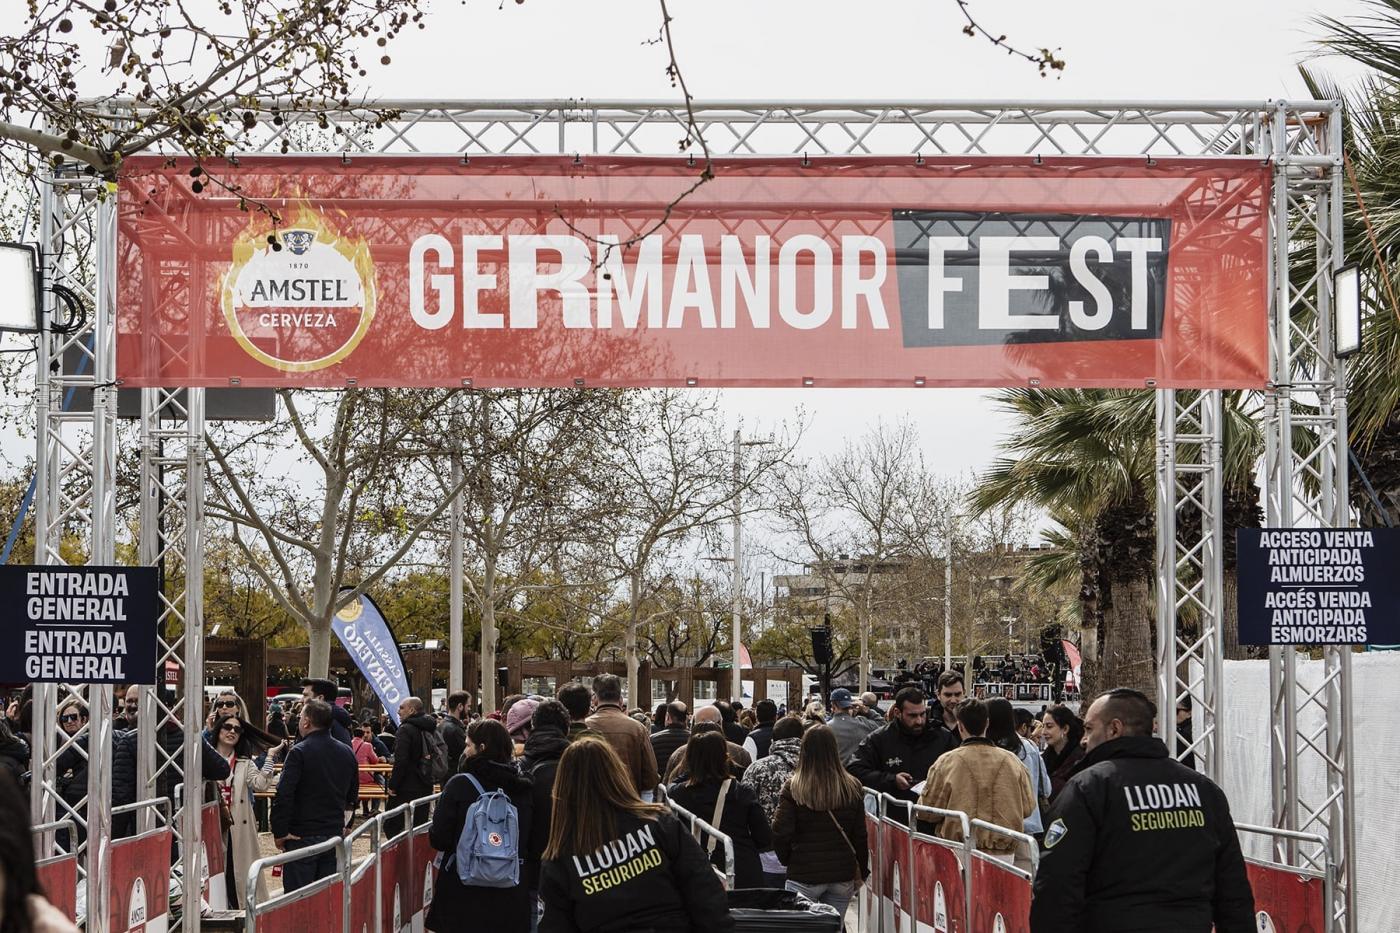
[(985, 782), (629, 738)]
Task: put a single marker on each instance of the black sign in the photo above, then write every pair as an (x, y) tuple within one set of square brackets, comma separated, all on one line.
[(1319, 586), (78, 625), (1003, 278)]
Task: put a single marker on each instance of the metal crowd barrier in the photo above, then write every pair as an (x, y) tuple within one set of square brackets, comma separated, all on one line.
[(891, 814), (253, 909), (1289, 859), (350, 872), (699, 827)]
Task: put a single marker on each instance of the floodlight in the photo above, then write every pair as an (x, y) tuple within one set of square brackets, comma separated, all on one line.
[(1346, 310), (19, 283)]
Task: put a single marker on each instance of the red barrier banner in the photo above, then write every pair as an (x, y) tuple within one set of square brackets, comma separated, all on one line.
[(213, 834), (324, 910), (362, 895), (896, 880), (940, 904), (871, 890), (139, 899), (58, 879), (393, 885), (603, 271), (421, 876), (1285, 901), (1001, 901)]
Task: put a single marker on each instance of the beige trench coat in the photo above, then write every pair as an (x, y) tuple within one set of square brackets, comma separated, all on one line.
[(243, 834)]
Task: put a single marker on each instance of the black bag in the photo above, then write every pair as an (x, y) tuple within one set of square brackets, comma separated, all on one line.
[(770, 910)]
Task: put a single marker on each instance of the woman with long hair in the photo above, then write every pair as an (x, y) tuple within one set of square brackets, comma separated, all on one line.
[(712, 793), (614, 862), (246, 749), (1002, 731), (819, 827), (1064, 737), (457, 906), (23, 908)]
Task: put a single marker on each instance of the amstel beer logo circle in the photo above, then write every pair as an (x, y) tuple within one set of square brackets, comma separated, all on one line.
[(303, 306), (351, 610)]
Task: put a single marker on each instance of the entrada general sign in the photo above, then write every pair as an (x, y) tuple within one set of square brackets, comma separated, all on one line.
[(82, 625), (541, 271)]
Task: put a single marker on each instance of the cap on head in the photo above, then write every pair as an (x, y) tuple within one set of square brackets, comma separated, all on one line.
[(841, 698)]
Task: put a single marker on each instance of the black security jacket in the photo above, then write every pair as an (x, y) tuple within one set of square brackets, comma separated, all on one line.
[(320, 781), (1139, 843), (653, 876), (890, 750)]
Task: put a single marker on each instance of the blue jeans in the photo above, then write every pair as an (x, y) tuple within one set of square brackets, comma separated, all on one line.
[(303, 871), (837, 893)]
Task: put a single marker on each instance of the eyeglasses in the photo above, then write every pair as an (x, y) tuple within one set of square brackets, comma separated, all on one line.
[(69, 717), (227, 704)]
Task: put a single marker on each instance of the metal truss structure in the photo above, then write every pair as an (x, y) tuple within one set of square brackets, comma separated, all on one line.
[(1305, 406)]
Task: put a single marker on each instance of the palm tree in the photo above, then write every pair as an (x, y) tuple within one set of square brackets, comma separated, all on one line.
[(1088, 456), (1371, 231)]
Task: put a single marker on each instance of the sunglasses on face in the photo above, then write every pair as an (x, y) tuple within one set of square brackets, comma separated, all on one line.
[(232, 728), (227, 704), (69, 717)]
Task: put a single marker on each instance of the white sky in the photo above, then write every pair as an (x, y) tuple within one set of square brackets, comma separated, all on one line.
[(827, 50)]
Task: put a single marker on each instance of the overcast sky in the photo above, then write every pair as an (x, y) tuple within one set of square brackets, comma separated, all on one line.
[(823, 50), (819, 49)]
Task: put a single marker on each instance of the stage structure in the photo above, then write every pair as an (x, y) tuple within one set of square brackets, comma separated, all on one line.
[(1299, 143)]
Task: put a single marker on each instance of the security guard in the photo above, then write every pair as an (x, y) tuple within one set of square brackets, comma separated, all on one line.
[(1138, 842)]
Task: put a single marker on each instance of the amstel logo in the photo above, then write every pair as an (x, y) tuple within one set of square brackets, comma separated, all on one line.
[(306, 305), (351, 610)]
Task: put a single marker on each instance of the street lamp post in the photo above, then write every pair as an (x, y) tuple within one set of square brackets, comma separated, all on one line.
[(736, 588)]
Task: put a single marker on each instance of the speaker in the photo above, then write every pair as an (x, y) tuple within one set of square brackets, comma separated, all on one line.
[(821, 644)]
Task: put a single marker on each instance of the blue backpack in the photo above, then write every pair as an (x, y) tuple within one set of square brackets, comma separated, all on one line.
[(488, 851)]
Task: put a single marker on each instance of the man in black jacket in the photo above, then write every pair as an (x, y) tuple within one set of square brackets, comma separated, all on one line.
[(454, 728), (1137, 841), (320, 782), (407, 782), (341, 724), (761, 736), (895, 758), (676, 733), (549, 737)]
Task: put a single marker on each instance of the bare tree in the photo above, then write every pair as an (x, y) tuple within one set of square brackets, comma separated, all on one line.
[(678, 479)]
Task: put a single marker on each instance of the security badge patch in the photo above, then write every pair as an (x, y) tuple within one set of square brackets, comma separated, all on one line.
[(1057, 831)]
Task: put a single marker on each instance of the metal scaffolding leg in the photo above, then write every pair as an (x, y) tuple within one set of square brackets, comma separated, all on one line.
[(1307, 487), (1190, 611)]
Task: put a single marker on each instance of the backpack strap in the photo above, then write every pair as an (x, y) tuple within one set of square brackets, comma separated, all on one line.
[(480, 791), (719, 814)]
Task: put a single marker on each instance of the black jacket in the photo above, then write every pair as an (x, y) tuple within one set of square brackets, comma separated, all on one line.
[(406, 781), (821, 846), (743, 821), (454, 736), (469, 908), (890, 750), (320, 781), (761, 737), (540, 762), (665, 743), (172, 740), (1138, 843), (14, 759), (341, 724), (665, 884), (735, 732)]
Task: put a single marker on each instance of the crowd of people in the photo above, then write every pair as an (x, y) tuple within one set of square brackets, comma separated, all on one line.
[(558, 813)]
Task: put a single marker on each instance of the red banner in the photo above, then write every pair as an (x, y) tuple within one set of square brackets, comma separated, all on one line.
[(139, 897), (896, 880), (940, 896), (603, 271), (324, 910), (421, 876), (213, 834), (362, 894), (872, 888), (1285, 901), (1001, 901), (59, 881), (394, 886)]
